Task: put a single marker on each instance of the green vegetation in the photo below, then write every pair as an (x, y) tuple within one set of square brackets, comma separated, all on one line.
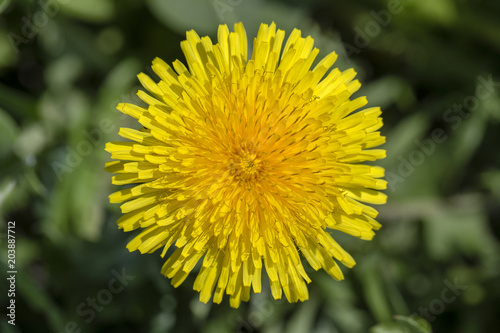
[(433, 67)]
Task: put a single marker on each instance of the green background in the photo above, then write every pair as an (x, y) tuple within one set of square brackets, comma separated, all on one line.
[(64, 65)]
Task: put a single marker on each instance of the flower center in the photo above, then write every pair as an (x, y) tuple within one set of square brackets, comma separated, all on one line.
[(250, 164), (246, 166)]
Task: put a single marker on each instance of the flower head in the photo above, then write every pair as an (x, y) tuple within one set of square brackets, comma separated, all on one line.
[(244, 164)]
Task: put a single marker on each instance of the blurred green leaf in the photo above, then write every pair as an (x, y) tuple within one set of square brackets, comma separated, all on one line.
[(7, 50), (388, 328), (181, 16), (7, 186), (8, 131), (442, 11), (87, 212), (303, 318), (21, 103), (39, 301), (385, 91), (414, 324), (406, 132), (4, 4), (373, 288), (466, 140), (89, 10), (61, 73), (451, 229), (31, 141), (491, 181), (403, 324)]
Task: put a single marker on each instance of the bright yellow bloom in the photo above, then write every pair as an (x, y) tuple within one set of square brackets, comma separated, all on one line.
[(246, 163)]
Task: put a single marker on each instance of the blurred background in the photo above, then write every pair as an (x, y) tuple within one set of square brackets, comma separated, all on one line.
[(432, 65)]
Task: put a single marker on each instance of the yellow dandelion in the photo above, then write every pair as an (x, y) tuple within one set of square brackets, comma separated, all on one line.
[(244, 164)]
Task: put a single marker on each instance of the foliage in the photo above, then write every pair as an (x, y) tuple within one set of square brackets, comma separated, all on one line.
[(431, 65)]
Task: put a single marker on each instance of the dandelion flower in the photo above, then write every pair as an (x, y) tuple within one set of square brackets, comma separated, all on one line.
[(245, 165)]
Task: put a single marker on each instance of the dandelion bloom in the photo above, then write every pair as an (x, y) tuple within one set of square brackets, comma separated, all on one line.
[(244, 164)]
